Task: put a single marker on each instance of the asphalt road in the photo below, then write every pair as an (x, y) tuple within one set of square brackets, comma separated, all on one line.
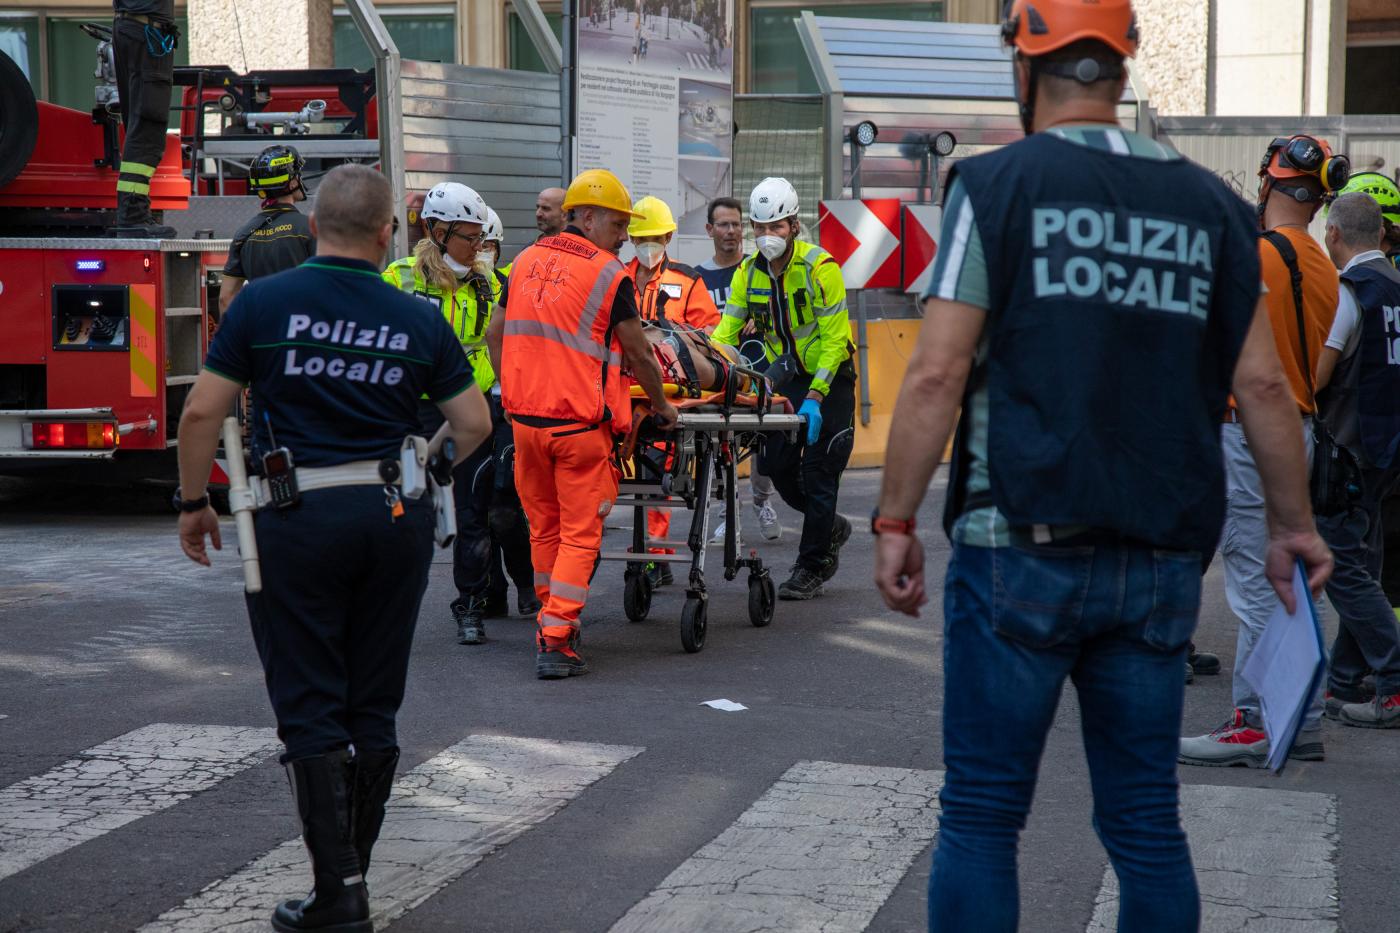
[(106, 630)]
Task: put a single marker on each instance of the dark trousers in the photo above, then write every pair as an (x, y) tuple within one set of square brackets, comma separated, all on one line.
[(510, 531), (333, 625), (1367, 639), (143, 86), (491, 526), (471, 551), (808, 477)]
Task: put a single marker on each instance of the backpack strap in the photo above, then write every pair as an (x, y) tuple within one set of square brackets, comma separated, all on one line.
[(1295, 277)]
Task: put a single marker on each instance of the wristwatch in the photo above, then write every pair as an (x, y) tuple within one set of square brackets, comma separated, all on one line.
[(898, 526), (189, 505)]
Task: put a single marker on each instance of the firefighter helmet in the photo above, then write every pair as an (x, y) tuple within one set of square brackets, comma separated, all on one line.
[(276, 172)]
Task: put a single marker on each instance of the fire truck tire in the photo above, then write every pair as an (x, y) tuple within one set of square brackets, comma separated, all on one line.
[(19, 120)]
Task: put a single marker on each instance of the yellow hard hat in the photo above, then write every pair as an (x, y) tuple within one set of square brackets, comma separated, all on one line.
[(598, 187), (653, 218)]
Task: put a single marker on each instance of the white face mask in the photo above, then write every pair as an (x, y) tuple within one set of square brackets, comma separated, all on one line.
[(458, 269), (772, 247), (486, 260), (650, 253)]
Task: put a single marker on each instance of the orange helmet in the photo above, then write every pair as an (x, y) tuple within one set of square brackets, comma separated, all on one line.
[(1039, 27)]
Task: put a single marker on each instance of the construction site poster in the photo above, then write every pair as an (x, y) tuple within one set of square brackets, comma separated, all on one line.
[(654, 99)]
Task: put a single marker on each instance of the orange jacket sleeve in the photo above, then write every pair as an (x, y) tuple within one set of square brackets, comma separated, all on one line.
[(700, 310)]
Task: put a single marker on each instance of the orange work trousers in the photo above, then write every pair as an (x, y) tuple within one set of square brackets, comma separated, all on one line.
[(567, 482), (659, 520)]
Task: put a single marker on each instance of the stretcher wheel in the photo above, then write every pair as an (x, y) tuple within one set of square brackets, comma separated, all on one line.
[(761, 599), (693, 624), (636, 596)]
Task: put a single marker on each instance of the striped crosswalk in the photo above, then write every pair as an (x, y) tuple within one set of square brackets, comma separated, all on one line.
[(699, 62), (821, 850), (823, 847), (117, 782), (445, 815), (1265, 860)]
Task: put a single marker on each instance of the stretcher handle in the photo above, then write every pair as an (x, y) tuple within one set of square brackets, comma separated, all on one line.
[(240, 497)]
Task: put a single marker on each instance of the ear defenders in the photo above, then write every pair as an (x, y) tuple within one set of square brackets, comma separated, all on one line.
[(1306, 155)]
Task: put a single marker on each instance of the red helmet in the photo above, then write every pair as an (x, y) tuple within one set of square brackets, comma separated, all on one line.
[(1039, 27)]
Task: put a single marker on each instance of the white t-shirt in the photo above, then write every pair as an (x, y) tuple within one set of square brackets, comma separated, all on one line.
[(1346, 326)]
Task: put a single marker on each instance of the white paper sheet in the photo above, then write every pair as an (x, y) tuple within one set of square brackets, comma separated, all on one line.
[(729, 706), (1285, 668)]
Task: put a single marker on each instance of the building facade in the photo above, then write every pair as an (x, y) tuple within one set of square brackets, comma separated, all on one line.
[(1220, 57)]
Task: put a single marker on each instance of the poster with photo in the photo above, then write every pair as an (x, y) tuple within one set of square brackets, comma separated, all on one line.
[(654, 103)]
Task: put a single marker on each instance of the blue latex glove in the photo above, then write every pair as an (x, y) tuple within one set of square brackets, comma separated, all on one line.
[(812, 410)]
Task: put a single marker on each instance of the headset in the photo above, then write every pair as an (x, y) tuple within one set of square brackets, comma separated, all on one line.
[(1305, 154)]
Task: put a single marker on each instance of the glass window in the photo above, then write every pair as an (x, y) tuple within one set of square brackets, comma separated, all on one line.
[(422, 37), (73, 59), (19, 39), (777, 61), (523, 56), (1370, 79)]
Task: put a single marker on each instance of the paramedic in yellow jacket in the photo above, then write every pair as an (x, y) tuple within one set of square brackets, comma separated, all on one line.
[(444, 270), (793, 294)]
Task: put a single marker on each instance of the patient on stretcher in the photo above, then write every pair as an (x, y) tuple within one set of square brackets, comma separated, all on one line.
[(690, 361)]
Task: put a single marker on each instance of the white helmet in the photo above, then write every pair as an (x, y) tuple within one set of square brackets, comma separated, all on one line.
[(454, 202), (493, 232), (773, 199)]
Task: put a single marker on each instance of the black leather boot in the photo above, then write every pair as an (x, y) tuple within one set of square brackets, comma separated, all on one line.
[(374, 779), (339, 903), (135, 220)]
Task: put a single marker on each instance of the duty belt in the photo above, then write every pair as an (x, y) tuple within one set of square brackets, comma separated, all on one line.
[(358, 473)]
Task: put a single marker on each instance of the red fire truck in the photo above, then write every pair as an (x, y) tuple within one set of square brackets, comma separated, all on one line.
[(102, 337)]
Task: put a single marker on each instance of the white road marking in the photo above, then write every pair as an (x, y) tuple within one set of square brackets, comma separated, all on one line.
[(445, 815), (114, 783), (1266, 861), (822, 849)]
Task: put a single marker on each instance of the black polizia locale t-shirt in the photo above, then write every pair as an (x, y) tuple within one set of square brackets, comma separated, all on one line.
[(337, 359)]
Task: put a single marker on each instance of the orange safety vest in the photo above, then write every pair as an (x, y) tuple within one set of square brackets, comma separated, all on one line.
[(559, 356), (688, 301)]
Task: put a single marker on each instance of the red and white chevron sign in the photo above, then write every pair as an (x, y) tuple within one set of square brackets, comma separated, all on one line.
[(863, 236), (921, 224)]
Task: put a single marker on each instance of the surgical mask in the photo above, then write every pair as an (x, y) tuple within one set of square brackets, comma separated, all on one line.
[(486, 260), (650, 253), (457, 268), (772, 247)]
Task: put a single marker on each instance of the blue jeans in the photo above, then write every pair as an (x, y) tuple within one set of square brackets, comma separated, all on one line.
[(1017, 621)]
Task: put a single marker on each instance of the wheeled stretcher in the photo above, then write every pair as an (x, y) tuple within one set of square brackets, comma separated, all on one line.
[(685, 469)]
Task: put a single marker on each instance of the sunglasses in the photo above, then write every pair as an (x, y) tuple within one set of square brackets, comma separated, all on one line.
[(1307, 155)]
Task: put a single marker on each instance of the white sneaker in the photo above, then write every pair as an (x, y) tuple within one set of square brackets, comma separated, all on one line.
[(768, 523), (718, 536)]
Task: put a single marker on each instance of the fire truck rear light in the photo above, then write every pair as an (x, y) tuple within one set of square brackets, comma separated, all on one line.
[(91, 265), (69, 435)]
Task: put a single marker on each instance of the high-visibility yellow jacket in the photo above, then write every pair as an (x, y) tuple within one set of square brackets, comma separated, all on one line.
[(468, 310), (806, 317)]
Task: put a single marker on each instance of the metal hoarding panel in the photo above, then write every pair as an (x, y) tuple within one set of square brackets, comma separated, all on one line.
[(493, 129)]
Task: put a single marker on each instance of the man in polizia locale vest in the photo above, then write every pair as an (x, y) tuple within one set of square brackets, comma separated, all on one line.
[(1360, 371), (793, 292), (1092, 369), (560, 344), (444, 270)]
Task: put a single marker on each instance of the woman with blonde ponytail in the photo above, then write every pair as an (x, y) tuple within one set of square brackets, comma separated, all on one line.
[(446, 271)]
